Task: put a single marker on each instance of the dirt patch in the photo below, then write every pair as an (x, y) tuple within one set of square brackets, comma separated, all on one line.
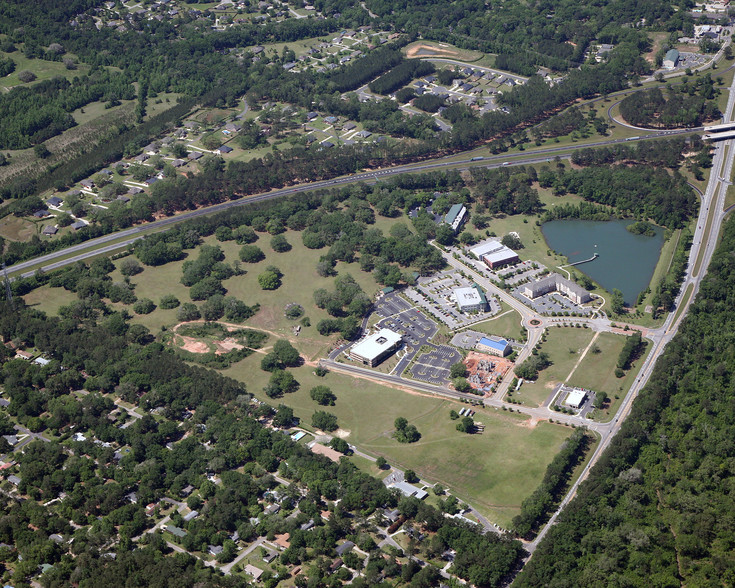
[(227, 345), (341, 433), (529, 424), (429, 51), (194, 346)]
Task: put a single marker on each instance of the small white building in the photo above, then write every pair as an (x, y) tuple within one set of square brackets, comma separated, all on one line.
[(575, 399), (376, 347)]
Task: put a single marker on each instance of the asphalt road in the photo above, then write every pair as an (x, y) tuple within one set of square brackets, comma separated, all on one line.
[(91, 248)]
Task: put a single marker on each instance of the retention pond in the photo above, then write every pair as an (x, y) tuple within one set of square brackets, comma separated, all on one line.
[(625, 261)]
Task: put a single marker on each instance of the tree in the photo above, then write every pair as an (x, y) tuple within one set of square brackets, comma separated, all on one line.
[(287, 353), (410, 476), (453, 414), (340, 445), (251, 254), (271, 363), (458, 370), (188, 312), (41, 151), (512, 242), (269, 280), (284, 417), (322, 395), (325, 421), (168, 301), (213, 308), (404, 432), (279, 244), (144, 306), (130, 267), (381, 462), (617, 304), (444, 235), (466, 425)]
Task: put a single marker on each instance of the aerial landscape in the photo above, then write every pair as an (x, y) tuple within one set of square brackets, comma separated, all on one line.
[(367, 293)]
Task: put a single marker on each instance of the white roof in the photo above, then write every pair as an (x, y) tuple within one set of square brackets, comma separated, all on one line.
[(575, 397), (498, 256), (486, 247), (372, 346), (465, 296), (410, 490)]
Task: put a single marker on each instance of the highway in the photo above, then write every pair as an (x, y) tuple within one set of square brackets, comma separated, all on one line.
[(709, 222), (123, 238), (710, 218)]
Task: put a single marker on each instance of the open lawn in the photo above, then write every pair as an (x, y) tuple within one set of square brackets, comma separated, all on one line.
[(13, 228), (564, 346), (597, 372), (493, 471), (506, 324), (44, 70), (49, 300)]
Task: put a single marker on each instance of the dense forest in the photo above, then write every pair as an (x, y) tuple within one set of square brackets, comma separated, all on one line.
[(687, 105), (657, 508)]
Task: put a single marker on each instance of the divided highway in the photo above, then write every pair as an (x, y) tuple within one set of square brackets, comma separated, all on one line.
[(122, 239)]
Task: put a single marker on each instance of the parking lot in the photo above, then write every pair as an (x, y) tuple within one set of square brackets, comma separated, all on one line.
[(391, 304), (436, 295), (550, 303), (433, 367)]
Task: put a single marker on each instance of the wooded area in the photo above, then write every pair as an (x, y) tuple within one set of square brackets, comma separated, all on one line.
[(656, 509)]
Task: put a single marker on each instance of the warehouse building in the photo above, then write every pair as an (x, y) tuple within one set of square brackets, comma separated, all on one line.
[(455, 217), (494, 345), (494, 254), (470, 299), (556, 283), (376, 347)]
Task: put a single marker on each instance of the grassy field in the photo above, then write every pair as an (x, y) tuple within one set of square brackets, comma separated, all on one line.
[(564, 346), (44, 70), (507, 324), (49, 300), (13, 228), (597, 372), (493, 471)]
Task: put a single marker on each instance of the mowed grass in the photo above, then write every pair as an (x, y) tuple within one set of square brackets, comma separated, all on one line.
[(16, 229), (597, 372), (49, 300), (564, 346), (506, 324), (44, 70), (493, 471)]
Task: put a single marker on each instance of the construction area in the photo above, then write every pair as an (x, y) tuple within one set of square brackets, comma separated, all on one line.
[(485, 371)]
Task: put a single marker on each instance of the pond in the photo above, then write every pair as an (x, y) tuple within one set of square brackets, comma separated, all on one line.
[(626, 261)]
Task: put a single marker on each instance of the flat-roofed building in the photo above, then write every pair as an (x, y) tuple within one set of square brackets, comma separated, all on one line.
[(376, 347), (494, 345), (557, 283), (470, 299), (494, 254), (576, 398)]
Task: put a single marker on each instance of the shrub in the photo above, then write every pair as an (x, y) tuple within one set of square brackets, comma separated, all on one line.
[(144, 306), (169, 301)]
